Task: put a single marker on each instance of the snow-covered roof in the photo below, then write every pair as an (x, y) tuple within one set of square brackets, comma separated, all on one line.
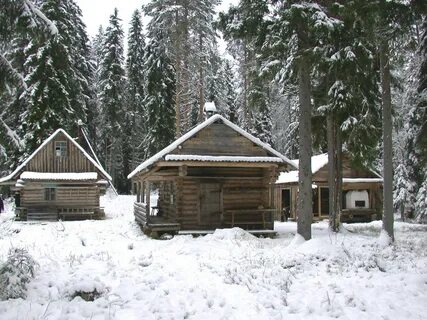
[(23, 164), (362, 180), (72, 176), (191, 157), (317, 163), (288, 177), (195, 130)]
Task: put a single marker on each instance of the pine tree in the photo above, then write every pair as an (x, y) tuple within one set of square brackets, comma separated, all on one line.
[(301, 30), (421, 203), (390, 21), (20, 17), (135, 89), (54, 94), (229, 93), (421, 140), (82, 63), (404, 190), (159, 96), (96, 55), (190, 39), (112, 82), (20, 21)]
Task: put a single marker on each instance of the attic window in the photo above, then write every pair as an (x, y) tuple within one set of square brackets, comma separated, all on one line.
[(61, 148)]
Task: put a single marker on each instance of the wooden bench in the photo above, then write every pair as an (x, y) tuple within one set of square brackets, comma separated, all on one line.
[(358, 215)]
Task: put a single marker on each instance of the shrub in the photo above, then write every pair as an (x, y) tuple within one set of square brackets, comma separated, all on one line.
[(15, 273)]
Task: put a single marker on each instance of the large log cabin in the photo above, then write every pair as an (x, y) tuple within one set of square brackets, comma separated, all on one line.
[(58, 180), (216, 175), (361, 197)]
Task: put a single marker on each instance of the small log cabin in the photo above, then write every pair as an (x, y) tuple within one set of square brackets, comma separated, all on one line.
[(361, 198), (216, 175), (58, 180)]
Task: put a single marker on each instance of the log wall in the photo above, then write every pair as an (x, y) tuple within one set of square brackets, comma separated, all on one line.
[(33, 195), (239, 188), (47, 161), (219, 139)]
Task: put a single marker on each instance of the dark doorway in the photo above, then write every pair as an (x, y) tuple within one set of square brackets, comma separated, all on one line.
[(324, 201), (286, 204)]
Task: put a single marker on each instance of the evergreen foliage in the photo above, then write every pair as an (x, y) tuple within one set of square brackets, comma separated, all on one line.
[(112, 97), (160, 90), (58, 75), (15, 273), (135, 117)]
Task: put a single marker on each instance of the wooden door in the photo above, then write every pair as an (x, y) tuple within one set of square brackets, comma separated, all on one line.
[(210, 204)]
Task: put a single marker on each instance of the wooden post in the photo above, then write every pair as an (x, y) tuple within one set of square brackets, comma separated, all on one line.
[(147, 198)]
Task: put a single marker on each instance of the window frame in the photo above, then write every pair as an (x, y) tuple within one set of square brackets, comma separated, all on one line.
[(62, 147), (49, 194)]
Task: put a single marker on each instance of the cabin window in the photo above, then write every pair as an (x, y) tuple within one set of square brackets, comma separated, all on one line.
[(50, 194), (61, 148)]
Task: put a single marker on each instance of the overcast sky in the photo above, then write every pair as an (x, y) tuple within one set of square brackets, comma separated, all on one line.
[(97, 12)]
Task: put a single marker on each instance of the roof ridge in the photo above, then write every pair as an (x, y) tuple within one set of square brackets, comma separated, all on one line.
[(150, 161), (43, 144)]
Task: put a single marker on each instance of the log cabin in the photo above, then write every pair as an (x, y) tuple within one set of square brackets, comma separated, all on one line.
[(361, 194), (59, 180), (216, 175)]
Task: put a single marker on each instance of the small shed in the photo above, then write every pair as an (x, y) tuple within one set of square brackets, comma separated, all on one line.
[(216, 175), (58, 180), (361, 198)]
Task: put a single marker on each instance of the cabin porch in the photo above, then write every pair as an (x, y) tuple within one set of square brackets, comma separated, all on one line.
[(358, 210), (207, 198)]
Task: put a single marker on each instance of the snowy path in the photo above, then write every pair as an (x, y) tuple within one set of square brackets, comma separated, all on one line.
[(227, 275)]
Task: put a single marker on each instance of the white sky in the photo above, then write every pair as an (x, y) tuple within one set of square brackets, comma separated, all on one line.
[(97, 12)]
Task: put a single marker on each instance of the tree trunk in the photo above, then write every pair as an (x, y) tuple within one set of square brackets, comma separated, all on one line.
[(305, 195), (178, 83), (334, 172), (388, 218), (201, 82)]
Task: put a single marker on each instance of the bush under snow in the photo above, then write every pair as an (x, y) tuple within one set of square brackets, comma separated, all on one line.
[(15, 273)]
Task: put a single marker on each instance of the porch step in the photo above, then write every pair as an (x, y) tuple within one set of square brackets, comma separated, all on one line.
[(42, 214), (257, 233)]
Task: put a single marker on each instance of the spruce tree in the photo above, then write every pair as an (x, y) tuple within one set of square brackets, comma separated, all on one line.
[(96, 56), (135, 89), (159, 95), (20, 22), (112, 82), (190, 40), (230, 93), (54, 92), (421, 140)]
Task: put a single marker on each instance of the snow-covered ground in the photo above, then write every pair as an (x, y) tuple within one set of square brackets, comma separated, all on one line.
[(227, 275)]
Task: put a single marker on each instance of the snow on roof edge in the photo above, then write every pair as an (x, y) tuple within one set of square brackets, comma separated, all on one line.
[(72, 176), (192, 157), (23, 164), (196, 129)]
